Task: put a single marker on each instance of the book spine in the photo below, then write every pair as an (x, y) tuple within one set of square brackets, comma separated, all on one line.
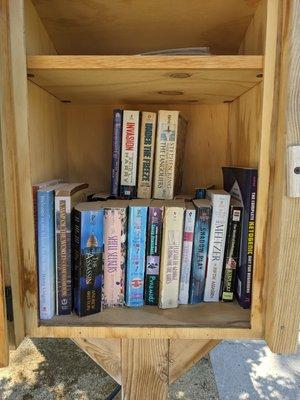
[(135, 268), (46, 260), (88, 252), (231, 259), (187, 249), (130, 134), (147, 143), (171, 257), (164, 176), (200, 252), (114, 256), (63, 255), (244, 283), (220, 205), (116, 152), (154, 236)]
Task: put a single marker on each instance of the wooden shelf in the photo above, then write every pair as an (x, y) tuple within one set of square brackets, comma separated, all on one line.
[(208, 315), (145, 79)]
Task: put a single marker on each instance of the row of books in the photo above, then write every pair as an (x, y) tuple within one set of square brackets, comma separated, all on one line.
[(147, 154), (154, 252)]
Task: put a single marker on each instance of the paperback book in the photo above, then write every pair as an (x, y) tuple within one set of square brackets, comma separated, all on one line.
[(171, 253), (220, 201), (200, 250), (154, 236), (232, 254), (242, 184), (88, 249), (115, 231), (130, 136), (146, 154), (187, 250), (66, 197), (136, 252), (116, 152)]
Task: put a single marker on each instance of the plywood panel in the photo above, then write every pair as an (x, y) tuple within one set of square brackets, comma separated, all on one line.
[(155, 79), (122, 27), (145, 369)]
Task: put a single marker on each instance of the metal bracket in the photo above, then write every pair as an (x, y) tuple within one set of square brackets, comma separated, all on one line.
[(9, 303), (293, 171)]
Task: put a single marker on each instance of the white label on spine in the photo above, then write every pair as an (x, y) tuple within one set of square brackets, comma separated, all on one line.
[(129, 147)]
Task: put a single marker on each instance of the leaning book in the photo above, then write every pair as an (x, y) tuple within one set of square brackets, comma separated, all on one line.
[(116, 153), (242, 185), (115, 235), (171, 253), (88, 249), (220, 201), (66, 197)]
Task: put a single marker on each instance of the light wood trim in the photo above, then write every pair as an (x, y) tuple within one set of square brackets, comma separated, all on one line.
[(283, 279), (105, 352), (144, 369), (144, 62), (184, 354)]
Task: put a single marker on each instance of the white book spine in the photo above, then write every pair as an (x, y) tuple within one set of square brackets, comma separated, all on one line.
[(220, 211), (146, 157), (186, 260), (165, 158), (171, 257), (130, 135)]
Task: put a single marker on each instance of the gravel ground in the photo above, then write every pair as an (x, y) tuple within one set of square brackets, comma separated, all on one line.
[(48, 369)]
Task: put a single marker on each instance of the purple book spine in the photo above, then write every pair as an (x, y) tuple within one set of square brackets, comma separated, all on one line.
[(116, 152)]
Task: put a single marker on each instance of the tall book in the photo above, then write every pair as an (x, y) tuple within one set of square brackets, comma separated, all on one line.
[(232, 249), (220, 201), (200, 250), (115, 233), (136, 252), (187, 250), (88, 249), (242, 184), (116, 153), (171, 253), (46, 250), (130, 136), (146, 154), (170, 143), (154, 237), (66, 197)]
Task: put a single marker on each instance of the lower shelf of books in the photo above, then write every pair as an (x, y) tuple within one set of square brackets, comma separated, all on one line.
[(217, 315)]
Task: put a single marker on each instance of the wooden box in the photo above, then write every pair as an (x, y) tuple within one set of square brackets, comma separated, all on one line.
[(65, 65)]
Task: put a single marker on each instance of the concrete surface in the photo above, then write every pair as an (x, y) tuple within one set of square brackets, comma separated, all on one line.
[(48, 369)]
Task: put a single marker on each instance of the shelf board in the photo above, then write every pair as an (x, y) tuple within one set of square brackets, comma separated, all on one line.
[(145, 79), (206, 315)]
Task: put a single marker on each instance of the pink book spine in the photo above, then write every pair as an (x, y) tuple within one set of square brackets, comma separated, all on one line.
[(114, 257)]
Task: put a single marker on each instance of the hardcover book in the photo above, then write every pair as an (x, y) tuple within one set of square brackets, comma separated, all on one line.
[(136, 252), (116, 152), (154, 236), (170, 145), (171, 253), (146, 154), (187, 250), (242, 184), (232, 249), (130, 136), (220, 201), (200, 250), (88, 249), (115, 232), (66, 197), (46, 250)]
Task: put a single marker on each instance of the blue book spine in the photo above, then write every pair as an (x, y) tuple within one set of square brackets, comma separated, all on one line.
[(116, 152), (135, 268), (46, 256), (200, 251)]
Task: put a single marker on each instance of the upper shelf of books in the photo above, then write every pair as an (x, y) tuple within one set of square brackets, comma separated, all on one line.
[(145, 79)]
